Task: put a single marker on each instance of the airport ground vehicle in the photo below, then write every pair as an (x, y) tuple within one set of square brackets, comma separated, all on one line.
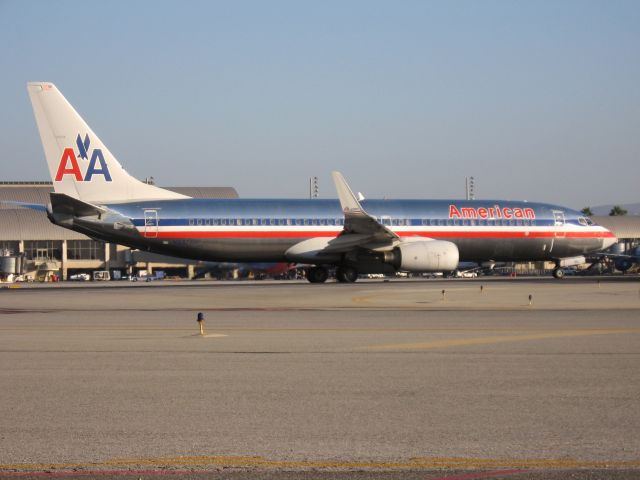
[(101, 275), (80, 277), (94, 195)]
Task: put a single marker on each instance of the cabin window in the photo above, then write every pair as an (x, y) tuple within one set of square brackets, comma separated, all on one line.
[(191, 221)]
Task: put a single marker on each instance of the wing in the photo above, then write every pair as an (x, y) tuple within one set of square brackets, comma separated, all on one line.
[(361, 230)]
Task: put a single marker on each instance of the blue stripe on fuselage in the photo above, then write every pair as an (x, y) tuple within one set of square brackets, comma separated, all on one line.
[(179, 211)]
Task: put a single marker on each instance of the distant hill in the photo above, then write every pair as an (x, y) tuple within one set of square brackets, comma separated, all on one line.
[(631, 208)]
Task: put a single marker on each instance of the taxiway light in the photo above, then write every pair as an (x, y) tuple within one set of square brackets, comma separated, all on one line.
[(200, 319)]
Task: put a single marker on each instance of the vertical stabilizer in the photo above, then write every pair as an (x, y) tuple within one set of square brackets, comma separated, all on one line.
[(80, 165)]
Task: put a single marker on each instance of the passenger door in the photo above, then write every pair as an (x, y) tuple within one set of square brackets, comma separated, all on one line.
[(151, 223), (558, 223)]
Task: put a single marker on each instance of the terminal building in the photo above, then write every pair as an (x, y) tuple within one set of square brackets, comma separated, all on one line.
[(36, 247), (625, 227)]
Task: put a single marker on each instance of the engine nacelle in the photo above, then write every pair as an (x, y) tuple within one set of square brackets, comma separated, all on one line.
[(426, 256)]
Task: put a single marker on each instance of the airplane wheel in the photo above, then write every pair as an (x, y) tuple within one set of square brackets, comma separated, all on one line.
[(346, 274), (317, 275), (558, 273)]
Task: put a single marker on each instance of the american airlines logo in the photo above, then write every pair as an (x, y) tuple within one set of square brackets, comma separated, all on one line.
[(69, 162), (491, 212)]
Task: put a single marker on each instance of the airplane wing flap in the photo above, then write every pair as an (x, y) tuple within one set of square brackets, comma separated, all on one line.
[(345, 243)]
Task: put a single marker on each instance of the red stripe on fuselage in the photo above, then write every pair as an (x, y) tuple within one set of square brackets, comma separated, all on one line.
[(434, 234)]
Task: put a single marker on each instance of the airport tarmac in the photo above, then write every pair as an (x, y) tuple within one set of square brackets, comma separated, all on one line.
[(374, 377)]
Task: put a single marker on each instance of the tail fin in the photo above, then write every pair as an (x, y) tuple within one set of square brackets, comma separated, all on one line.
[(79, 163)]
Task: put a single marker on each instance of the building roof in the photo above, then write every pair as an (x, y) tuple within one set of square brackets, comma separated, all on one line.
[(622, 226), (38, 192), (24, 224), (19, 223)]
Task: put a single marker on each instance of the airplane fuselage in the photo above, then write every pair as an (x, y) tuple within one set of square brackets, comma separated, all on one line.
[(262, 230)]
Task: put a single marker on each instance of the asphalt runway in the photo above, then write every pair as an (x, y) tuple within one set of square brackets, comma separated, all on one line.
[(293, 380)]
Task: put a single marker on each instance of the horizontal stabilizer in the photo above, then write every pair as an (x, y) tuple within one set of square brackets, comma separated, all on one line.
[(66, 205), (32, 206)]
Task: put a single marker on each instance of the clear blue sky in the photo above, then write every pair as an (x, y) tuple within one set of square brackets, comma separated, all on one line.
[(538, 100)]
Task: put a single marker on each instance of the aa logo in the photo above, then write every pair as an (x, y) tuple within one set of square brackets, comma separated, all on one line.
[(69, 162)]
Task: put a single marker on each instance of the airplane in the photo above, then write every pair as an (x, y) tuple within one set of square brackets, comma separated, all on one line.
[(94, 195), (622, 259)]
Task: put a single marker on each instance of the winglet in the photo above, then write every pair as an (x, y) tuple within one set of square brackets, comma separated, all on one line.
[(348, 201), (356, 220)]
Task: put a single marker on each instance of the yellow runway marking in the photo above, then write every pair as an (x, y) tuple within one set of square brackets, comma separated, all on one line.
[(460, 342), (253, 462), (360, 300)]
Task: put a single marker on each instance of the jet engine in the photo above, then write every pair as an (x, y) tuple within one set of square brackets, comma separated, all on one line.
[(425, 256)]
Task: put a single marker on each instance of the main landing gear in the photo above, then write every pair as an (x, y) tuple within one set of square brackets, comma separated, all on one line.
[(317, 274), (346, 274), (558, 273)]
